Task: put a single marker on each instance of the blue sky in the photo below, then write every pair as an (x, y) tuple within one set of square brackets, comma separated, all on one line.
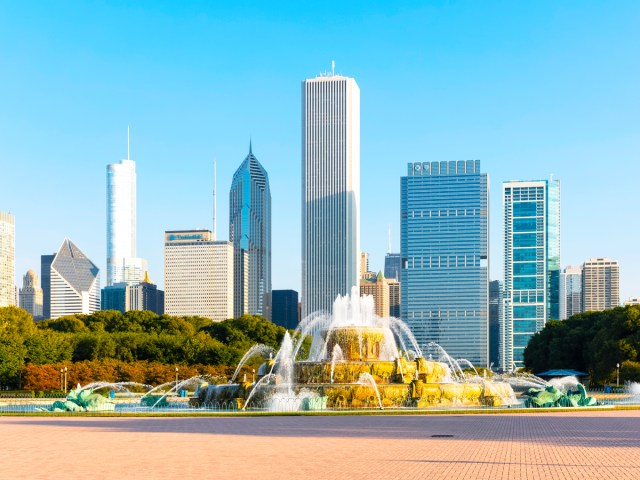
[(529, 88)]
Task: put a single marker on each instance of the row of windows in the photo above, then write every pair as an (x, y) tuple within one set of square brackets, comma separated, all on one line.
[(446, 261)]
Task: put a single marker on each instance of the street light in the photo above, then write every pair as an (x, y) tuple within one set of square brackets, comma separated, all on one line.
[(176, 377), (617, 374), (65, 379), (61, 379)]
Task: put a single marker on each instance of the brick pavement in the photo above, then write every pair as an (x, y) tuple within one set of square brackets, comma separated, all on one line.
[(580, 445)]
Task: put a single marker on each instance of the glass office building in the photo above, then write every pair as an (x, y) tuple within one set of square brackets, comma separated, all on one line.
[(531, 262), (444, 250), (250, 233)]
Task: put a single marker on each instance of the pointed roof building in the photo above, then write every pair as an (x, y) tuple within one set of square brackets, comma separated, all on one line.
[(250, 233), (75, 285)]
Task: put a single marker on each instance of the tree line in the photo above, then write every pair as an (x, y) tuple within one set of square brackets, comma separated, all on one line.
[(592, 342), (110, 342)]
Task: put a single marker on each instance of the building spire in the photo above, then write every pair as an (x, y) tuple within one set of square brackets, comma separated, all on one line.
[(214, 198), (250, 150)]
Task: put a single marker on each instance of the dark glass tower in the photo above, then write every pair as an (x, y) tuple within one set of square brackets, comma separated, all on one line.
[(285, 308), (45, 276), (250, 233)]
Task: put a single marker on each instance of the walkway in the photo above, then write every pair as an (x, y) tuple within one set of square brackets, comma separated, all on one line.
[(589, 445)]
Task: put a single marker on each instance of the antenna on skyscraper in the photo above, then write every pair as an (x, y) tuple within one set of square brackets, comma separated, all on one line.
[(128, 143), (214, 198), (333, 67)]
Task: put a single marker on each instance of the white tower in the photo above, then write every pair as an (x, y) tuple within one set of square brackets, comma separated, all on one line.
[(122, 264), (330, 189)]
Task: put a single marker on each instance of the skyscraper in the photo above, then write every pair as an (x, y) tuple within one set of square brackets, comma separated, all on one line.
[(285, 308), (570, 291), (31, 295), (330, 189), (600, 284), (496, 329), (198, 275), (75, 285), (378, 288), (444, 247), (531, 262), (7, 259), (45, 276), (250, 233), (392, 266), (133, 296), (122, 264)]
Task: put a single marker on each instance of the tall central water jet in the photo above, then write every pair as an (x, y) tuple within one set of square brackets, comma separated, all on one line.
[(354, 362)]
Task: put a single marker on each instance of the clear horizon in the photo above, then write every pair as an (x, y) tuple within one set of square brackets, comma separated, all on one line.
[(530, 90)]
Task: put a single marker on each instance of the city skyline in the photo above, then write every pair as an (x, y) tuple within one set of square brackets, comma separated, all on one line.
[(521, 125)]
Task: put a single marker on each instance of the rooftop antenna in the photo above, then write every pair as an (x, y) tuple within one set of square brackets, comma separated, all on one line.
[(128, 143), (214, 199), (333, 68)]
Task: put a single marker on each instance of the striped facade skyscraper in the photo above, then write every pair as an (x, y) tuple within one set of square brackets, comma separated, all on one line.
[(75, 284), (330, 190), (444, 248), (250, 233)]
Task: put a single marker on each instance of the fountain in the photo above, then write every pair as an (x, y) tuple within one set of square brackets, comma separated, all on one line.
[(354, 362)]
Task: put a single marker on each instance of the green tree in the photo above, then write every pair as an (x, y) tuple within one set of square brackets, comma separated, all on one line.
[(49, 347)]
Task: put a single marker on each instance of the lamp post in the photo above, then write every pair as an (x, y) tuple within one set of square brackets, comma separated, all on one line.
[(65, 379), (61, 379), (617, 374), (254, 375), (176, 378)]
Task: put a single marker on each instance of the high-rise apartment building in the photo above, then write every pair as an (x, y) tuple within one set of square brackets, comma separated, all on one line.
[(364, 264), (7, 259), (570, 291), (198, 275), (378, 288), (31, 295), (496, 330), (330, 190), (444, 244), (122, 263), (285, 308), (531, 262), (250, 234), (600, 284), (74, 282)]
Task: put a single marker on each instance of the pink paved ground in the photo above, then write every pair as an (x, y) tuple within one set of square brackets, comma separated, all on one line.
[(581, 445)]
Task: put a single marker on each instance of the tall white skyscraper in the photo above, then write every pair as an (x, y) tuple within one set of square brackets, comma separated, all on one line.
[(7, 259), (122, 264), (75, 285), (198, 275), (330, 189)]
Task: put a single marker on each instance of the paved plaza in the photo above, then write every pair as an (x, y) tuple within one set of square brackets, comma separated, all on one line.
[(580, 445)]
